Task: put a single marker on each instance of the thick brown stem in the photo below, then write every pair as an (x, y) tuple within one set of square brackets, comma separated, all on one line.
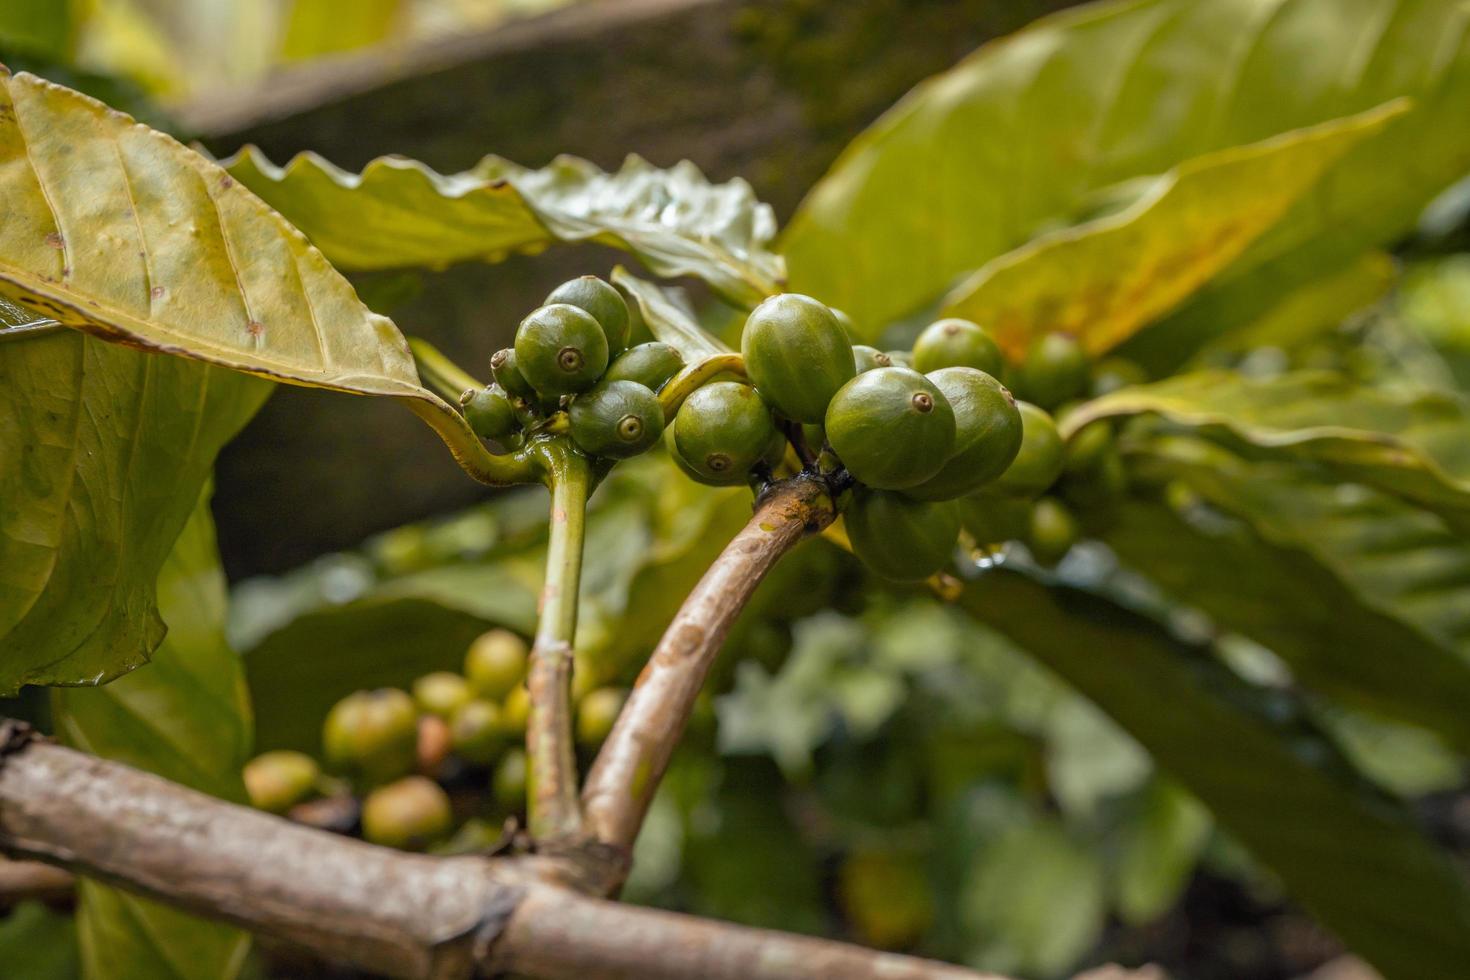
[(627, 771), (403, 915)]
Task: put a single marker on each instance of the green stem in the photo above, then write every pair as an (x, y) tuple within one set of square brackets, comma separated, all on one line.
[(554, 810), (687, 381), (495, 469), (441, 374)]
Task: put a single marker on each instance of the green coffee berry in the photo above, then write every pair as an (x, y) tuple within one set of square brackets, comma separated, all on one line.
[(408, 814), (475, 731), (596, 714), (1038, 462), (1087, 449), (496, 663), (602, 301), (561, 350), (515, 710), (489, 412), (892, 428), (372, 735), (797, 354), (650, 365), (616, 419), (844, 321), (1053, 531), (815, 436), (987, 433), (277, 781), (886, 897), (441, 693), (993, 520), (957, 343), (900, 538), (868, 358), (509, 783), (508, 375), (721, 431), (1054, 371), (1115, 373)]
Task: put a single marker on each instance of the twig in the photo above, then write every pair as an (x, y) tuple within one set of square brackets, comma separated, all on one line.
[(693, 377), (554, 814), (24, 880), (633, 759), (398, 914)]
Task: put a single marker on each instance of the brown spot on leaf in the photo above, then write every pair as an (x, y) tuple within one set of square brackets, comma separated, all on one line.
[(157, 292), (226, 182), (255, 328), (55, 240)]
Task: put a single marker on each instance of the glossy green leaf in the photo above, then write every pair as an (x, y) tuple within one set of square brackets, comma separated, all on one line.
[(37, 943), (398, 212), (185, 716), (103, 452), (1356, 863), (119, 231), (667, 321), (1414, 444), (1029, 130), (1103, 280), (1160, 845)]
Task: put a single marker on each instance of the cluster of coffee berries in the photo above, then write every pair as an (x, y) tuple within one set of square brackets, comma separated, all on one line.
[(419, 758), (572, 354)]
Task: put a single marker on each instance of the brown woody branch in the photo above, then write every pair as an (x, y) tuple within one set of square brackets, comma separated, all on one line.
[(400, 914), (618, 790), (24, 880)]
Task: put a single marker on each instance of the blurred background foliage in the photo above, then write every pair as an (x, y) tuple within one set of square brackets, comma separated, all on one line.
[(1238, 693)]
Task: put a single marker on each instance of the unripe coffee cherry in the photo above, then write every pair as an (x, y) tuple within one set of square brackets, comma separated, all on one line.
[(993, 520), (1115, 373), (277, 781), (1054, 371), (515, 710), (1053, 531), (605, 304), (409, 814), (561, 350), (650, 365), (508, 375), (510, 780), (496, 663), (372, 735), (721, 431), (899, 538), (489, 412), (1038, 462), (987, 433), (957, 343), (476, 731), (433, 745), (886, 898), (596, 714), (797, 354), (892, 428), (441, 693), (868, 358), (616, 419)]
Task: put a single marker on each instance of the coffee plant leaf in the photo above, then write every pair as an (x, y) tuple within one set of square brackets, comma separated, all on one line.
[(1413, 444), (1103, 280), (1027, 132), (397, 213), (103, 453), (667, 320)]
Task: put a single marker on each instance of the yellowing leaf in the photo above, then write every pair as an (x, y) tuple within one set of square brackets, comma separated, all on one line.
[(398, 212), (1103, 280)]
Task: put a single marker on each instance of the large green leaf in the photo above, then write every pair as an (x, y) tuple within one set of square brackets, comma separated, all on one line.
[(398, 212), (1103, 280), (1029, 129), (185, 716), (103, 452), (119, 231), (1415, 444), (1351, 859)]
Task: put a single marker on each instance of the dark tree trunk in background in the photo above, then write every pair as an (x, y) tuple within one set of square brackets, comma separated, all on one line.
[(770, 91)]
